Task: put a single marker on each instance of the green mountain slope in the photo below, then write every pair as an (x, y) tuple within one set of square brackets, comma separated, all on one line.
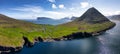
[(91, 21), (12, 30)]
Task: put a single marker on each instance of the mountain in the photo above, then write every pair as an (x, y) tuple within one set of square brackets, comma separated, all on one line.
[(47, 20), (92, 15), (65, 18), (44, 18), (9, 22), (12, 30), (115, 17), (91, 21), (73, 18)]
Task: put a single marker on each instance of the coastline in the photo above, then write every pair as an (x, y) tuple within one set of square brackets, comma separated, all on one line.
[(102, 31), (12, 50), (9, 50)]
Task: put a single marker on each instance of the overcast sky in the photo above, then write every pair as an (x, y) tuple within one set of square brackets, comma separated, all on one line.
[(30, 9)]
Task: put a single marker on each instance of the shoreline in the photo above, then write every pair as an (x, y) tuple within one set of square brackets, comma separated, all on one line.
[(102, 31), (9, 50)]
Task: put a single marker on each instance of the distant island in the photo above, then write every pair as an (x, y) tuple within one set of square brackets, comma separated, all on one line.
[(65, 18), (12, 31), (115, 17), (44, 18), (51, 21)]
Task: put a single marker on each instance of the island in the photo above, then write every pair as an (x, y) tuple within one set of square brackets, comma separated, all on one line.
[(115, 17)]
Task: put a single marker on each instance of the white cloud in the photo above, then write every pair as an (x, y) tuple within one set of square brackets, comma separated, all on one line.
[(61, 6), (109, 13), (117, 12), (72, 9), (84, 4), (28, 8), (54, 6), (32, 12), (52, 1), (55, 14)]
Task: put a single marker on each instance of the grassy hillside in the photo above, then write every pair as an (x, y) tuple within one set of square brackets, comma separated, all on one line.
[(12, 30), (91, 21)]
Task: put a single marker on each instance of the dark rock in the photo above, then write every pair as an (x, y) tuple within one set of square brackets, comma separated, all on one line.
[(12, 49), (57, 39), (87, 34), (27, 42), (78, 35), (17, 49), (38, 39), (4, 53), (9, 50)]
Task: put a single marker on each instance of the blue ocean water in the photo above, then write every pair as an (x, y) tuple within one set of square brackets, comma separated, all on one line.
[(107, 43)]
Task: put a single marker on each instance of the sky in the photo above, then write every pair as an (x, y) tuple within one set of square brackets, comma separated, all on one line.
[(56, 9)]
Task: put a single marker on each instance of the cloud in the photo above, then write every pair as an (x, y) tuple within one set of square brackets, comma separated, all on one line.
[(52, 1), (28, 8), (54, 6), (56, 14), (109, 13), (84, 4), (117, 12), (72, 9), (61, 6), (32, 12)]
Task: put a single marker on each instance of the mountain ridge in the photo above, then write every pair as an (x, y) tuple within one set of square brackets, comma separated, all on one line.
[(92, 15)]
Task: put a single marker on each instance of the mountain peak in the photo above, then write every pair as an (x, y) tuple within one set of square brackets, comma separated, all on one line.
[(92, 15), (92, 8)]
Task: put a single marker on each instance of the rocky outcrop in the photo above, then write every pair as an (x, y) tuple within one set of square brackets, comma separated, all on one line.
[(27, 42), (77, 35), (38, 39), (57, 39), (9, 50)]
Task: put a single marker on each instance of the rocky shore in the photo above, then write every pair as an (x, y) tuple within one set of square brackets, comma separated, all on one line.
[(9, 50), (27, 43)]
